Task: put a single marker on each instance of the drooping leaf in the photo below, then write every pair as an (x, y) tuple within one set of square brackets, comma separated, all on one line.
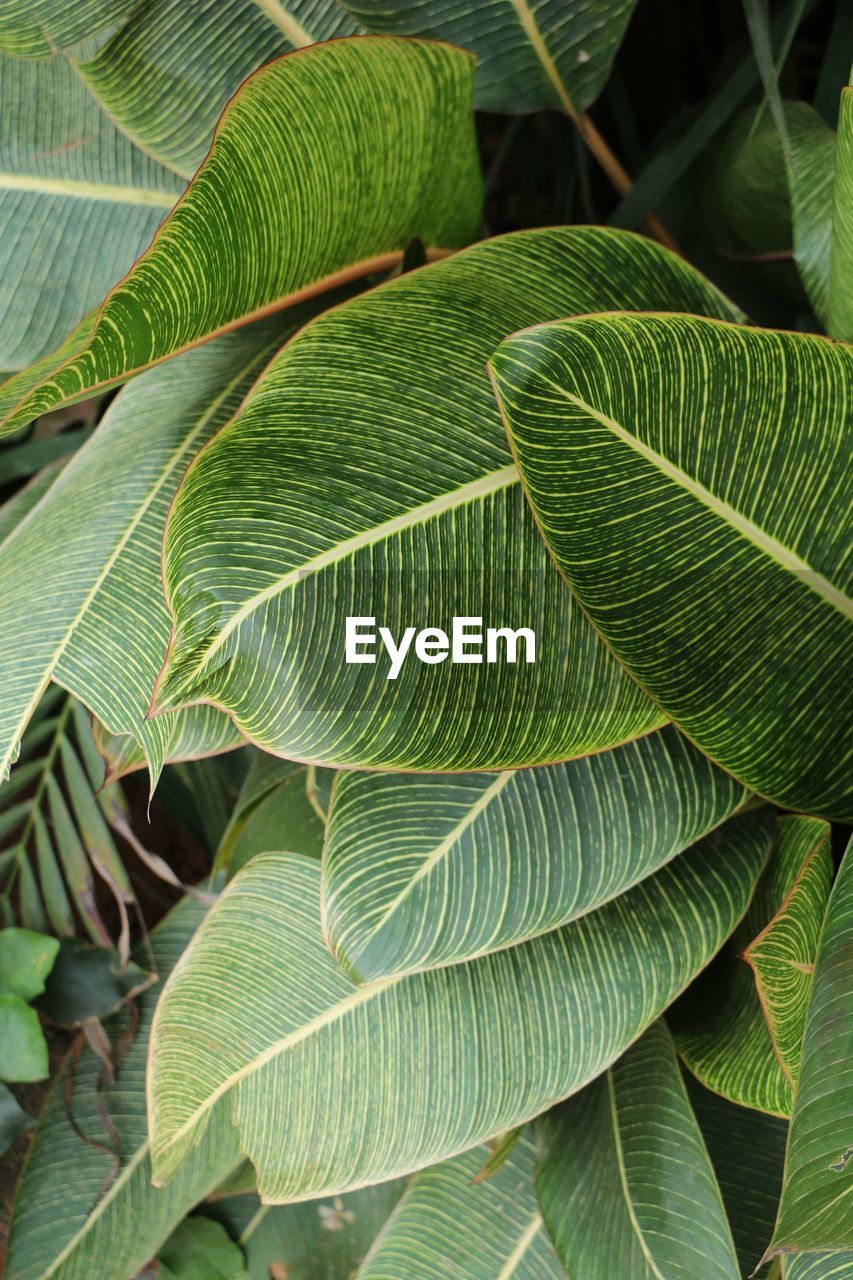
[(14, 1121), (782, 956), (81, 566), (26, 959), (308, 201), (530, 53), (720, 1026), (467, 1051), (747, 1150), (816, 1209), (37, 28), (624, 1181), (841, 272), (193, 734), (80, 1212), (423, 871), (405, 507), (316, 1240), (274, 810), (78, 203), (448, 1224), (169, 71), (201, 1249), (708, 553), (23, 1049)]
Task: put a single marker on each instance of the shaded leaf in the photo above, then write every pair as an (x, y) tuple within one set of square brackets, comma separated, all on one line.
[(193, 734), (841, 279), (274, 810), (201, 1249), (13, 1120), (90, 982), (705, 578)]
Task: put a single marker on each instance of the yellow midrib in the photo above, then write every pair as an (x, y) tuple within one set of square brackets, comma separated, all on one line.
[(526, 1239), (530, 27), (111, 192), (286, 23)]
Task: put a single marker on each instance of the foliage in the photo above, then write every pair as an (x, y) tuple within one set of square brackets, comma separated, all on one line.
[(511, 941)]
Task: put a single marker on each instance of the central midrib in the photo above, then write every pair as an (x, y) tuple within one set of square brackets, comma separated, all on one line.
[(113, 192)]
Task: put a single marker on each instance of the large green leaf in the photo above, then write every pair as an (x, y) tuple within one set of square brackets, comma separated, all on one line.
[(817, 1266), (816, 1210), (624, 1180), (84, 569), (448, 1224), (369, 466), (315, 1240), (423, 871), (82, 1211), (168, 73), (841, 275), (78, 203), (324, 166), (720, 1026), (530, 53), (709, 551), (782, 956), (333, 1086)]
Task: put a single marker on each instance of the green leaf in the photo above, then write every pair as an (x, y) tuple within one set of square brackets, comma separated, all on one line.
[(624, 1181), (21, 503), (17, 462), (82, 1212), (287, 188), (193, 734), (811, 170), (90, 982), (718, 582), (405, 508), (78, 203), (529, 55), (166, 76), (81, 567), (274, 810), (315, 1240), (26, 958), (841, 276), (37, 28), (818, 1266), (200, 1249), (13, 1120), (782, 956), (23, 1049), (815, 1212), (747, 1150), (448, 1224), (431, 870), (720, 1028), (467, 1051)]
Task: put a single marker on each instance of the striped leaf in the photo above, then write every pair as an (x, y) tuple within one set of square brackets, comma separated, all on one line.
[(78, 203), (709, 552), (811, 170), (530, 53), (405, 507), (169, 71), (816, 1210), (841, 281), (720, 1026), (37, 28), (334, 1086), (289, 202), (84, 571), (431, 870), (782, 956), (21, 503), (624, 1181), (85, 1208), (193, 734), (275, 808), (448, 1224), (817, 1266)]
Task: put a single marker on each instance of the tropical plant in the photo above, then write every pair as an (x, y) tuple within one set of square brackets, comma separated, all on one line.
[(472, 609)]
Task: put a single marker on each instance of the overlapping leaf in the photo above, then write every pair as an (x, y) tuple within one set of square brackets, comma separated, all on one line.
[(83, 570), (78, 203), (325, 165), (530, 53), (333, 1086), (37, 28), (169, 71), (275, 808), (369, 470), (841, 278), (709, 552), (782, 956), (816, 1210), (624, 1181), (423, 871), (192, 734), (84, 1209), (449, 1224)]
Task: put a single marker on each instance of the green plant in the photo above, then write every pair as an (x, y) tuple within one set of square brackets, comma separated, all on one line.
[(479, 606)]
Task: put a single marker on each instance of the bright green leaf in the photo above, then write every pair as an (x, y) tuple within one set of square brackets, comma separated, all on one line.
[(23, 1049), (423, 871), (201, 1249), (405, 507), (624, 1181), (709, 552), (26, 959), (307, 201), (467, 1051)]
